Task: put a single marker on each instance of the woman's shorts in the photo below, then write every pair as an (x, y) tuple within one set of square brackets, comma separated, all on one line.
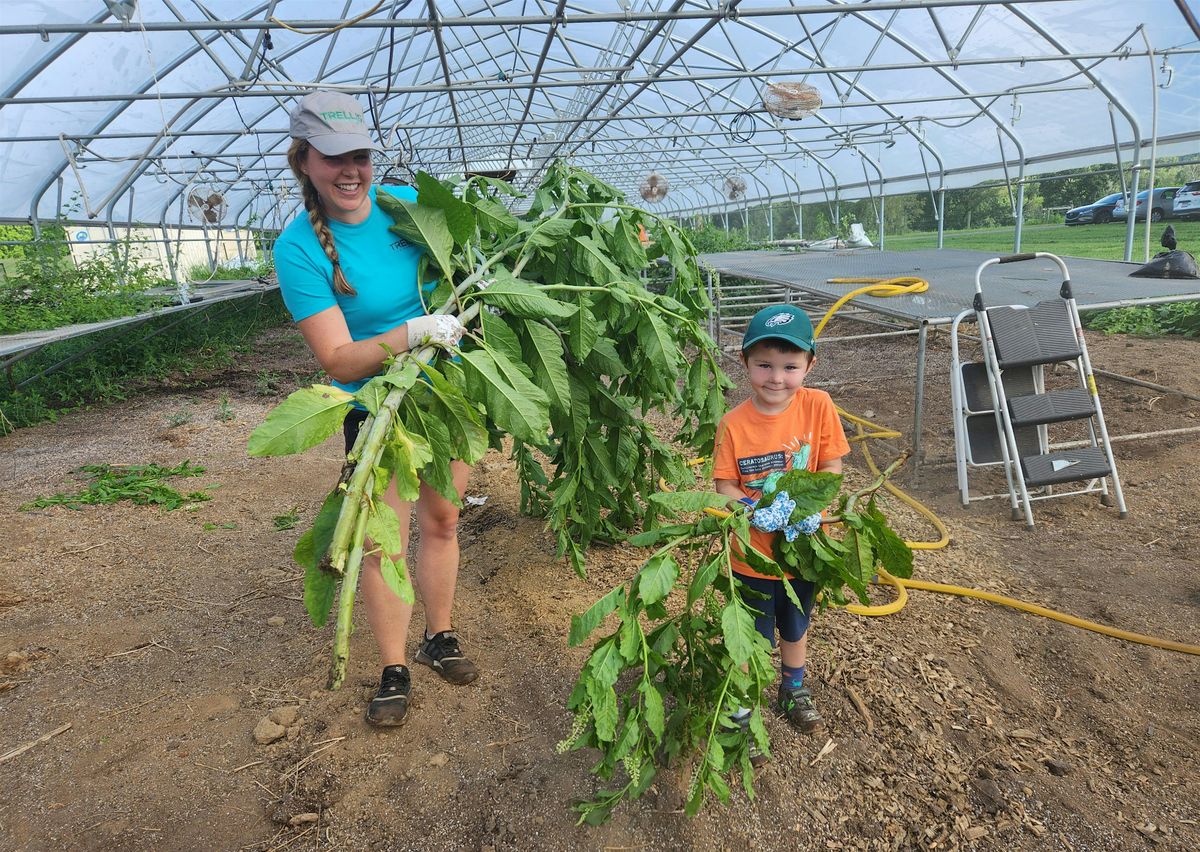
[(351, 425), (776, 611)]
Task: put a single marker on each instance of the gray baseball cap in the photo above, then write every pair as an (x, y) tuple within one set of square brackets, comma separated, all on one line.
[(332, 122)]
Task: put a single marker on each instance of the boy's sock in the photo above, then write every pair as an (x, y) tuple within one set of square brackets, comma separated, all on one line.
[(742, 716), (793, 676)]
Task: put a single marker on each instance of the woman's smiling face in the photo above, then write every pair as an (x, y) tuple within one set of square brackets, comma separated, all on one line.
[(343, 183)]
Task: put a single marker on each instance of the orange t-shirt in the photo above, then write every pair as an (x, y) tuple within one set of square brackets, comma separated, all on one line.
[(752, 445)]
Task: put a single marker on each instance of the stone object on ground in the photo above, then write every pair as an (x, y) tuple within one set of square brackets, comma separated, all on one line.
[(267, 732)]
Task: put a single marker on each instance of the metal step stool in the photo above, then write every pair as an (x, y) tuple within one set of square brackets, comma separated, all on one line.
[(1002, 408)]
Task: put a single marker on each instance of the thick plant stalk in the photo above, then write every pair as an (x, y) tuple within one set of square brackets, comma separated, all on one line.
[(341, 635), (346, 549)]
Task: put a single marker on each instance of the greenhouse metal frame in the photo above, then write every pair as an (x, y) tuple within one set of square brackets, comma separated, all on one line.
[(191, 97)]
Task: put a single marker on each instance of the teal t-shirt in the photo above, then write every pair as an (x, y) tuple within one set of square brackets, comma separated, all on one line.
[(379, 264)]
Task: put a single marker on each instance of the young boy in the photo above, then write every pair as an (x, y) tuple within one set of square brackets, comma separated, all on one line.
[(782, 426)]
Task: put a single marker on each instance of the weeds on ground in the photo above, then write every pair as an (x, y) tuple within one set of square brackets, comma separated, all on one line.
[(178, 418), (1182, 318), (287, 520), (141, 484), (225, 412)]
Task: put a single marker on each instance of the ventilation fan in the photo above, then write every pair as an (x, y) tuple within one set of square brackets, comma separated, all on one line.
[(206, 209), (790, 100), (735, 187), (654, 188)]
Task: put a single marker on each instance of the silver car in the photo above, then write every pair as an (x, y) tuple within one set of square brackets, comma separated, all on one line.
[(1163, 206)]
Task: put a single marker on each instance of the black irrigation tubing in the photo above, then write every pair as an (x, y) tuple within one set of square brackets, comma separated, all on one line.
[(121, 332)]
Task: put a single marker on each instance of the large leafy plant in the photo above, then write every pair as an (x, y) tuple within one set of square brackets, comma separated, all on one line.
[(663, 686), (568, 357)]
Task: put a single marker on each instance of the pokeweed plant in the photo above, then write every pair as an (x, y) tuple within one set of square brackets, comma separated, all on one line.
[(663, 686), (566, 352)]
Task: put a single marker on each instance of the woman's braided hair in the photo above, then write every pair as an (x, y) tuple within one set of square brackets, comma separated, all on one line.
[(316, 216)]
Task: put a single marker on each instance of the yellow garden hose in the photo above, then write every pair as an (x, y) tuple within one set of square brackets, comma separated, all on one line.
[(902, 286)]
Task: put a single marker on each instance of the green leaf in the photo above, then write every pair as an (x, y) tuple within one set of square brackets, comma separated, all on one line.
[(467, 433), (493, 217), (894, 554), (656, 578), (583, 625), (582, 332), (460, 218), (605, 663), (404, 459), (703, 578), (860, 556), (372, 394), (310, 551), (548, 233), (498, 335), (523, 299), (653, 709), (689, 501), (658, 343), (592, 259), (303, 420), (544, 354), (514, 403), (395, 575), (737, 625), (425, 226), (604, 712), (811, 491)]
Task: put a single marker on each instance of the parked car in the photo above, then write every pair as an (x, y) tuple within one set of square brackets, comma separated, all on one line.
[(1187, 200), (1098, 212), (1163, 206)]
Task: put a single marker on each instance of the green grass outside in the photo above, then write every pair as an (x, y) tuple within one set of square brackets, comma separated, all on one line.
[(1102, 242)]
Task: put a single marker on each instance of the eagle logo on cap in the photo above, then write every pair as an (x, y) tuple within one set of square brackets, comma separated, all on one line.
[(781, 318)]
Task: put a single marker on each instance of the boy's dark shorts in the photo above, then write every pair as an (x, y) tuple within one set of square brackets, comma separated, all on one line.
[(351, 425), (776, 611)]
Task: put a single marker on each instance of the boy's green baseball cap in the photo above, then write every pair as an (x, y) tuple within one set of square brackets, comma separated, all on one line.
[(786, 322)]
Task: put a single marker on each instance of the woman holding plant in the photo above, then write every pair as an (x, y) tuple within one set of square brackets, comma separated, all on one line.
[(351, 285)]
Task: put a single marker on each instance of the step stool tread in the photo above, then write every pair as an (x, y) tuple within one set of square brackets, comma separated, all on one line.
[(975, 384), (1072, 466), (1052, 407), (1042, 334)]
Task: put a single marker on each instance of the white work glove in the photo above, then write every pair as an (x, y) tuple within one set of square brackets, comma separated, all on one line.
[(438, 329)]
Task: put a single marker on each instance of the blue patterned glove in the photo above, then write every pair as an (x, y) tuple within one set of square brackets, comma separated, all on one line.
[(775, 517), (807, 526)]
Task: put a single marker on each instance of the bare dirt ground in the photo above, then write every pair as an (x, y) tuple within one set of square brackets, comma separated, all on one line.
[(162, 639)]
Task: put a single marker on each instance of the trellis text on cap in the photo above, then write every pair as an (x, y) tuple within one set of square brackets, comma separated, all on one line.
[(332, 122), (786, 322)]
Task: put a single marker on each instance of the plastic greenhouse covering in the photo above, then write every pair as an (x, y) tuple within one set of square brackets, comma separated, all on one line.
[(120, 111)]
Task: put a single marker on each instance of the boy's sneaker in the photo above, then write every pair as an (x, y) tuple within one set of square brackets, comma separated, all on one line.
[(441, 653), (390, 704), (796, 704), (757, 758)]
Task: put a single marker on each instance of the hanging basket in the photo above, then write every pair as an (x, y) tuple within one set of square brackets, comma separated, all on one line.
[(790, 100)]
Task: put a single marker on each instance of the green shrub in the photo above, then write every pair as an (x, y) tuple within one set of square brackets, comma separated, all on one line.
[(131, 358), (49, 291)]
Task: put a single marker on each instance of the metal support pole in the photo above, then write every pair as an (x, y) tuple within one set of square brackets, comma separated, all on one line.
[(1131, 205), (941, 217), (1020, 214), (881, 217), (919, 403)]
